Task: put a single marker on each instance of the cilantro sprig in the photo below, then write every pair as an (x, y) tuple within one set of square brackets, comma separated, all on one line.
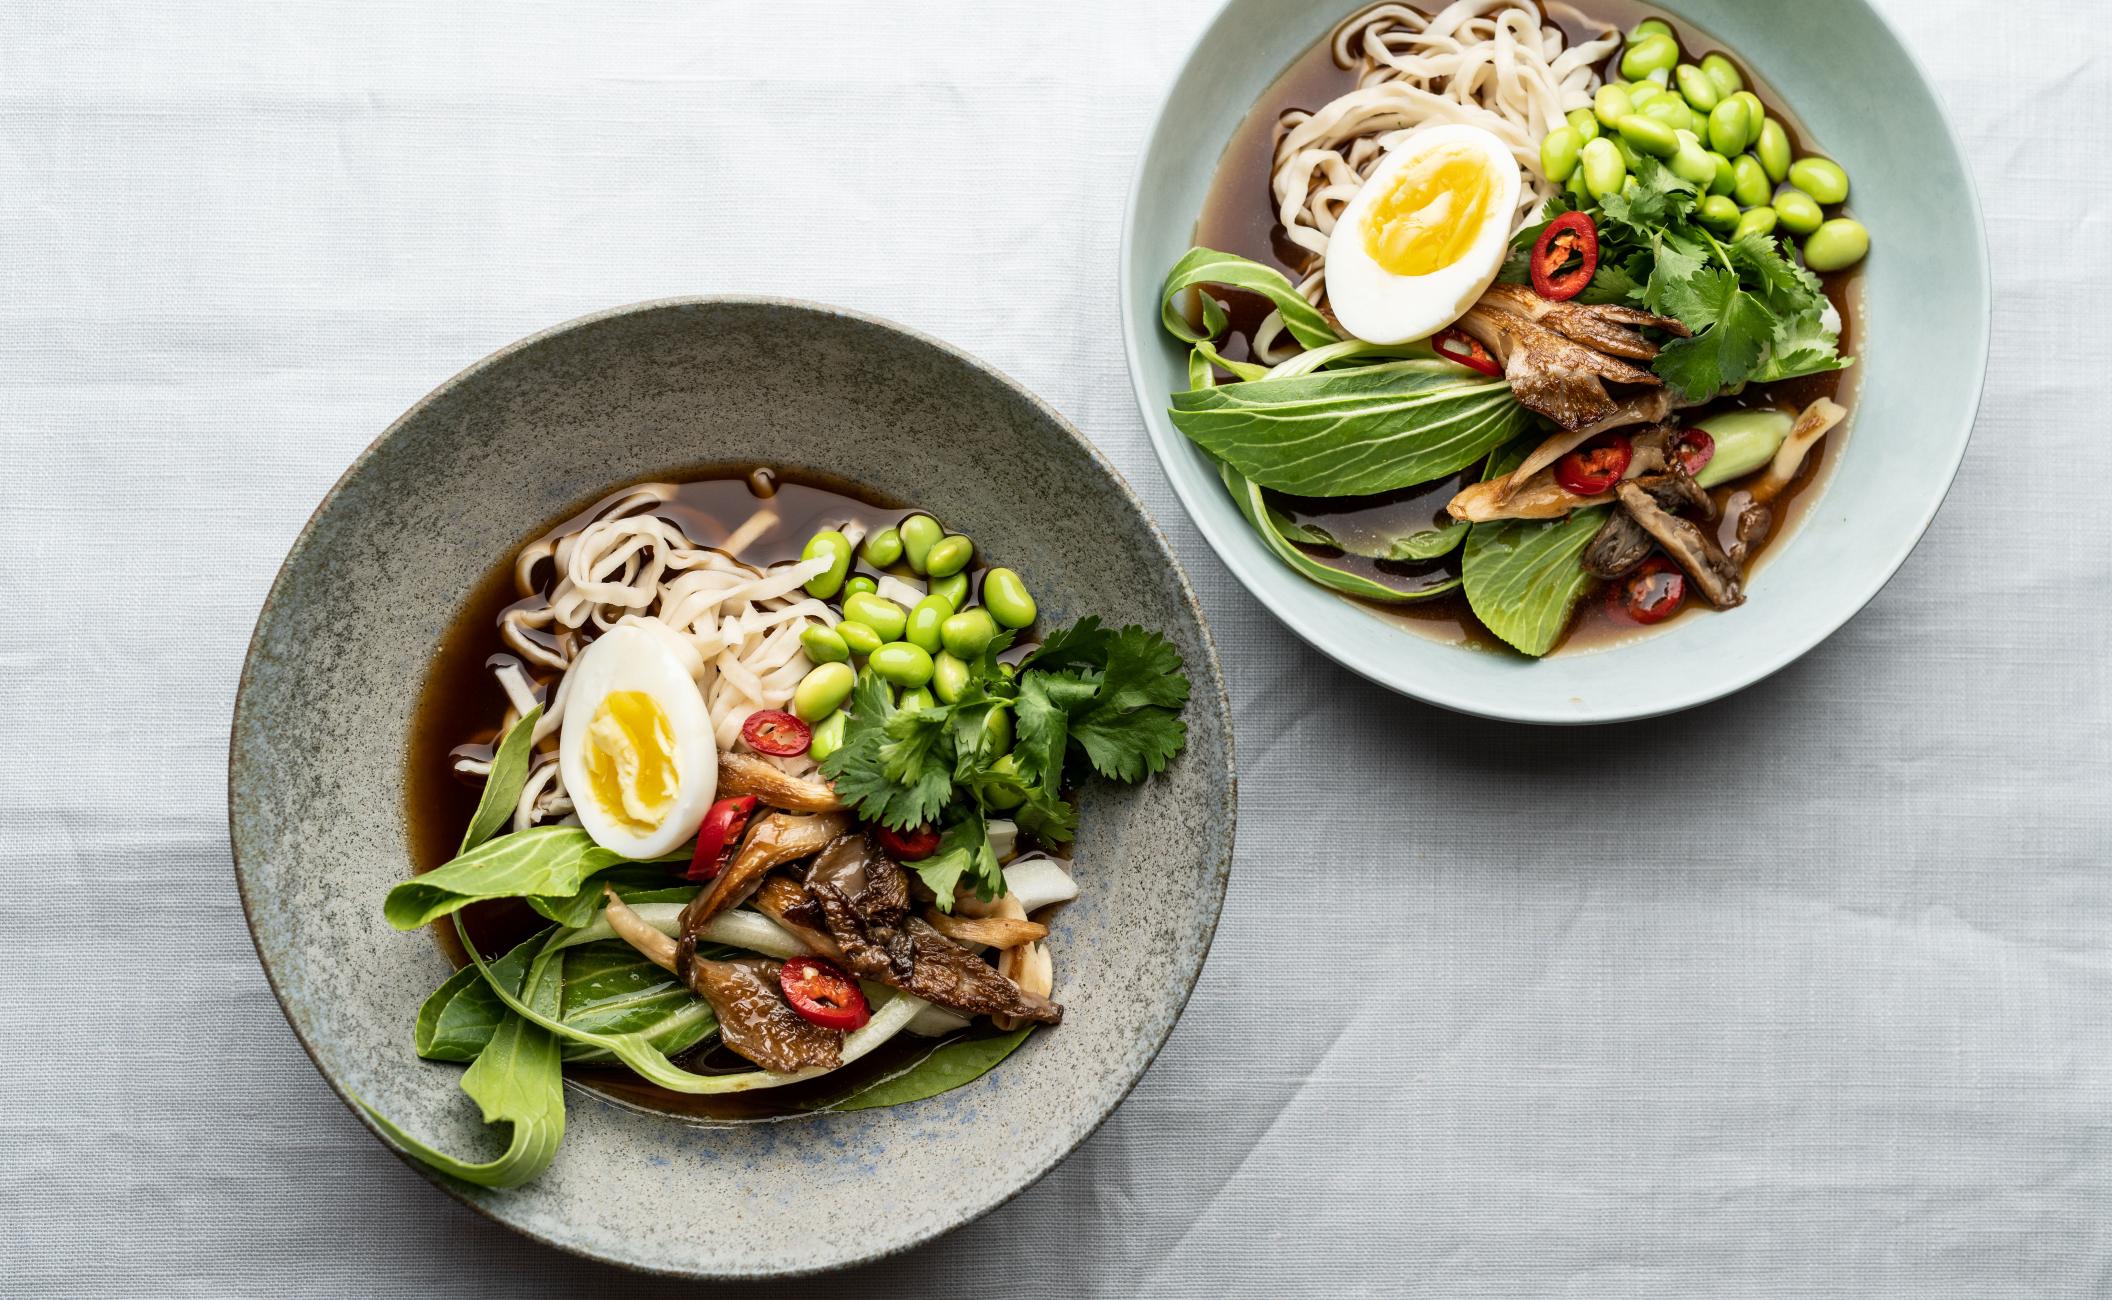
[(1089, 699)]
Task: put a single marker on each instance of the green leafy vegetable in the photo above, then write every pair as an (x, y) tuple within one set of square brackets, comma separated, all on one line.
[(1201, 267), (1253, 503), (1422, 544), (952, 1064), (964, 851), (550, 866), (1353, 432), (1524, 576), (502, 788)]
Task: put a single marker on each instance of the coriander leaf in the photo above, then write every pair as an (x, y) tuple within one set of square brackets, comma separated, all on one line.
[(1684, 286), (1723, 356), (1047, 816), (1127, 746), (964, 854), (1788, 289), (1081, 645), (859, 770), (1142, 668), (1046, 702), (1802, 346)]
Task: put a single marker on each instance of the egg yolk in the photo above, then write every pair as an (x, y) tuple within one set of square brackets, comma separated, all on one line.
[(631, 759), (1430, 213)]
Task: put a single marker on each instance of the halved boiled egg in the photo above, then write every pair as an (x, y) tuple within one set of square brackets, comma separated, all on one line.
[(1424, 236), (636, 747)]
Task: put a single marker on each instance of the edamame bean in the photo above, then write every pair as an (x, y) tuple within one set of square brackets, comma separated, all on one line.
[(1660, 78), (876, 612), (968, 633), (949, 677), (1629, 153), (1672, 111), (1005, 789), (1653, 53), (1729, 131), (1603, 173), (1719, 212), (1755, 114), (823, 645), (1646, 135), (1724, 74), (919, 698), (1649, 25), (1822, 178), (1611, 104), (1007, 599), (1725, 176), (1584, 123), (1698, 86), (997, 731), (922, 630), (828, 736), (1693, 164), (861, 639), (954, 587), (828, 542), (883, 548), (1558, 154), (1772, 148), (1641, 93), (902, 663), (948, 556), (1836, 245), (1749, 184), (856, 583), (1745, 440), (1799, 212), (919, 534), (822, 691), (1756, 221)]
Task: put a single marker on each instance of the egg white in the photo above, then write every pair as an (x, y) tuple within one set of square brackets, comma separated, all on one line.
[(649, 657), (1378, 306)]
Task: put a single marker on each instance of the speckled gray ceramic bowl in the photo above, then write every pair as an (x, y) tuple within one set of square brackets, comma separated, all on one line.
[(316, 765)]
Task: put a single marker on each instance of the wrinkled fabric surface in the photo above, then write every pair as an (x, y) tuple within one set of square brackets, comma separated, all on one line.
[(1803, 994)]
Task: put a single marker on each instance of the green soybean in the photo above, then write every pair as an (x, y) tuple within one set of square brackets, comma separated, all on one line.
[(1821, 178), (1772, 148), (1603, 172), (1745, 440), (1719, 212), (1724, 74), (1641, 93), (823, 645), (876, 612), (1646, 135), (1672, 111), (1726, 176), (1699, 87), (919, 534), (1755, 114), (954, 587), (914, 699), (949, 677), (1756, 221), (861, 639), (1611, 104), (834, 545), (922, 629), (883, 548), (1799, 211), (997, 730), (1750, 187), (1836, 245), (1585, 123), (1007, 599), (1006, 788), (1558, 154), (1729, 129), (1660, 78), (1649, 25), (903, 663), (856, 583), (822, 691), (1629, 153), (1693, 164), (948, 556), (828, 736), (1654, 52), (968, 633)]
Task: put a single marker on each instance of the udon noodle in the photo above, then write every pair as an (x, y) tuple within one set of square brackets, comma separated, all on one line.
[(1486, 63), (630, 563)]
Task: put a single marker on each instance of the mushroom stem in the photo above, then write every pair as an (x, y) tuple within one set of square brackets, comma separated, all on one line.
[(635, 930)]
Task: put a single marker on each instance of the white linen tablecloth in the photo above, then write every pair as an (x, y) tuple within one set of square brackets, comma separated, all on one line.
[(1804, 994)]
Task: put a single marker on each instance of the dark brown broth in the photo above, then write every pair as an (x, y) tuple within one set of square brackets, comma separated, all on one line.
[(461, 704), (1239, 216)]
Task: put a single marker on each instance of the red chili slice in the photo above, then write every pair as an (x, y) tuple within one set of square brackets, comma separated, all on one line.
[(1596, 466), (1653, 592), (823, 994), (715, 838), (1571, 237), (1695, 449), (1455, 344), (776, 732), (908, 846)]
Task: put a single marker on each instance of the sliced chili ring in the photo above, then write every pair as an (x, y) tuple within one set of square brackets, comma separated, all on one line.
[(722, 826), (1654, 592), (823, 994), (1573, 236), (1695, 450), (910, 845), (1455, 344), (777, 733), (1596, 466)]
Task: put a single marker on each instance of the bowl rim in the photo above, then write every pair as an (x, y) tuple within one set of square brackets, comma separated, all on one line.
[(1342, 646), (1217, 866)]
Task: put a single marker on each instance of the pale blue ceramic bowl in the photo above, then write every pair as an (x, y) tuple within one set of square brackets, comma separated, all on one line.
[(1923, 351)]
